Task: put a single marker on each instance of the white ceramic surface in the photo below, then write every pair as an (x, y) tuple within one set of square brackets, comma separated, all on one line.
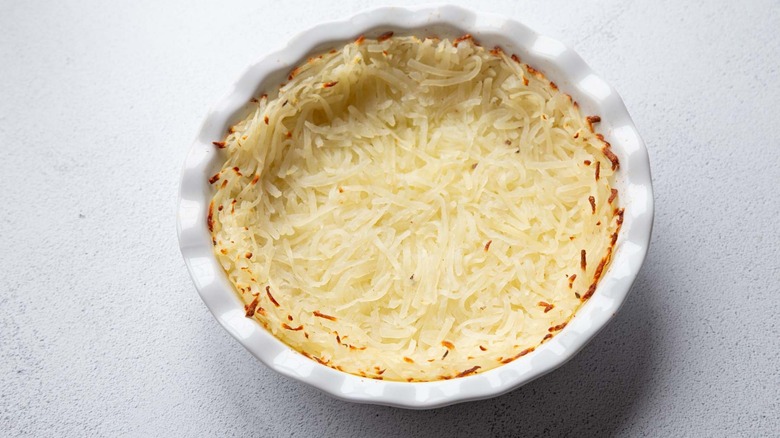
[(557, 62)]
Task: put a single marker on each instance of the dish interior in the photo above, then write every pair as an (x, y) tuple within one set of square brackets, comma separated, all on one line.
[(356, 212)]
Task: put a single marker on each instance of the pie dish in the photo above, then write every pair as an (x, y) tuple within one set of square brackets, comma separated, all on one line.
[(558, 63)]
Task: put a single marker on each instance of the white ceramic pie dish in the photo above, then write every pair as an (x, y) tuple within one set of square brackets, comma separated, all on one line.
[(557, 62)]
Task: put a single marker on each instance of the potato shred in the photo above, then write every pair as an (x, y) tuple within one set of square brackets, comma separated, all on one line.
[(414, 210)]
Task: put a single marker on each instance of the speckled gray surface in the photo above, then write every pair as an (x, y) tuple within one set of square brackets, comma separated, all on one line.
[(102, 333)]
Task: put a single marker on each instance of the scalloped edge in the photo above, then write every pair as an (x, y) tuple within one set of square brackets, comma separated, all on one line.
[(559, 63)]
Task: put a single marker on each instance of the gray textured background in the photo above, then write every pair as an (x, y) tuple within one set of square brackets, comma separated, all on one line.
[(102, 332)]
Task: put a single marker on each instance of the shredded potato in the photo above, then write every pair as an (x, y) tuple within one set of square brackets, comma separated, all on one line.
[(414, 210)]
